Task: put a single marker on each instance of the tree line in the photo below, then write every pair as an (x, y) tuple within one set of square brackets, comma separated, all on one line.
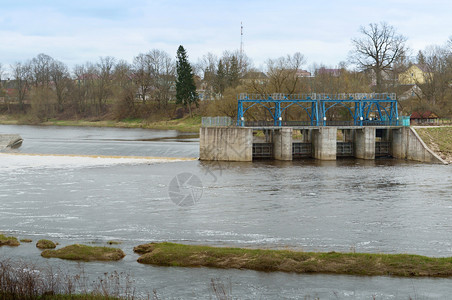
[(157, 85)]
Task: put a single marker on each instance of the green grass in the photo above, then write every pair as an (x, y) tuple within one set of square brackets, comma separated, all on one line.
[(439, 138), (186, 124), (405, 265), (8, 241), (26, 240), (45, 244), (85, 253)]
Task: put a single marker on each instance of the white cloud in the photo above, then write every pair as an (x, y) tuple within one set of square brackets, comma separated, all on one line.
[(76, 32)]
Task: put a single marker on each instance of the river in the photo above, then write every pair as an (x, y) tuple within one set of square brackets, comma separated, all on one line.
[(381, 206)]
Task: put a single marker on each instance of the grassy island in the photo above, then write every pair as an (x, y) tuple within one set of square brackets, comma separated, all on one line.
[(405, 265), (85, 253), (8, 241), (45, 244)]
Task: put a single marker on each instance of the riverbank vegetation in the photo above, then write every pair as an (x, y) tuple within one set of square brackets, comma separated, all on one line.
[(85, 253), (24, 280), (439, 139), (45, 244), (147, 91), (405, 265), (8, 241)]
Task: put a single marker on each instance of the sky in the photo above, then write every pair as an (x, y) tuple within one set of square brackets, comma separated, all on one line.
[(75, 32)]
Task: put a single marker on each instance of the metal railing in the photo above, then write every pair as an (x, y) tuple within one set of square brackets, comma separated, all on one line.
[(216, 121)]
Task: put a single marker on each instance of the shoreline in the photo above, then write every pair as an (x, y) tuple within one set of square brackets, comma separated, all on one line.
[(335, 263), (182, 125), (437, 138)]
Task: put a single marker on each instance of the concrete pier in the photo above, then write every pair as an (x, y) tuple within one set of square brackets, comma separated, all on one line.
[(226, 143), (324, 142), (282, 143), (10, 141), (364, 143), (406, 144)]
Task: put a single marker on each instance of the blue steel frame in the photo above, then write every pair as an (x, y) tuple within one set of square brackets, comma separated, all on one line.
[(383, 107)]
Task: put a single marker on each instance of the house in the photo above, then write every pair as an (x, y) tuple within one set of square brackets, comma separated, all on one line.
[(407, 91), (303, 73), (331, 72), (415, 74), (424, 117), (254, 76)]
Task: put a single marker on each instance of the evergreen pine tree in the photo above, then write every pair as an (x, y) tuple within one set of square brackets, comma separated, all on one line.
[(185, 83), (220, 80), (233, 74)]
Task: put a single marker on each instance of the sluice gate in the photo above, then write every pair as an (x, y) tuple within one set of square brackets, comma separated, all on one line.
[(372, 129)]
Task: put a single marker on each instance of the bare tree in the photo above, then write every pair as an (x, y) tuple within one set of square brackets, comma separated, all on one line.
[(40, 70), (435, 64), (21, 76), (142, 76), (83, 96), (163, 71), (2, 71), (104, 70), (282, 73), (377, 50), (59, 75)]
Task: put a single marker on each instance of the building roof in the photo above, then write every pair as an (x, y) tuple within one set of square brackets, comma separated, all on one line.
[(423, 115), (333, 72)]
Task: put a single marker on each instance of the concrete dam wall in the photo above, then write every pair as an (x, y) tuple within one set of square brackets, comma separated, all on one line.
[(239, 144)]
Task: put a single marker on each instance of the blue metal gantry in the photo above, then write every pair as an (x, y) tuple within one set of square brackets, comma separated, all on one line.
[(365, 109)]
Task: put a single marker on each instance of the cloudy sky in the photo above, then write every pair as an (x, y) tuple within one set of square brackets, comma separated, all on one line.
[(79, 31)]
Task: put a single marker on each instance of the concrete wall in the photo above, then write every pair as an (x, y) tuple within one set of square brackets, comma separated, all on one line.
[(364, 143), (226, 143), (282, 143), (324, 143), (10, 140), (406, 144)]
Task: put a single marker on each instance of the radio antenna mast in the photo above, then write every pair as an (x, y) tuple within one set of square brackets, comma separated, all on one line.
[(241, 38), (241, 45)]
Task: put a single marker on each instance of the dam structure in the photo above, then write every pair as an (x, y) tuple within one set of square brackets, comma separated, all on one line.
[(372, 129)]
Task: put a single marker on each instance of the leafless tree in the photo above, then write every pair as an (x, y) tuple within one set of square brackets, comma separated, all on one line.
[(154, 75), (378, 48), (83, 95), (142, 76), (104, 71), (40, 67), (21, 76), (59, 74), (163, 72), (436, 65), (282, 73), (2, 71)]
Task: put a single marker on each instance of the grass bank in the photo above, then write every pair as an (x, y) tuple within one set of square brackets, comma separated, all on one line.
[(8, 241), (405, 265), (439, 139), (186, 124), (85, 253)]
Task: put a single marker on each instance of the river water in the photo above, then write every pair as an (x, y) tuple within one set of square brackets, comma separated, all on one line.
[(381, 206)]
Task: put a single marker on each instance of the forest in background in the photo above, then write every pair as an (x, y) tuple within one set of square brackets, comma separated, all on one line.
[(44, 88)]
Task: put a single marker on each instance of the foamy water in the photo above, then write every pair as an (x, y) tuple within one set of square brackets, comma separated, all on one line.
[(11, 162)]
